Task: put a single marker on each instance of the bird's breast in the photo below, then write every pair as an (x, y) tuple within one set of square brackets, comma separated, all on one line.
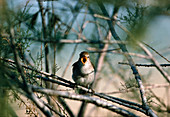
[(86, 69)]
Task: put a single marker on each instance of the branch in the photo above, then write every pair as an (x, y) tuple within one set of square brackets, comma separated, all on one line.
[(72, 85), (131, 62), (147, 87), (158, 99), (55, 81), (44, 35), (52, 109), (94, 50), (39, 104), (93, 100), (16, 57), (166, 76), (156, 52), (41, 72), (26, 88), (146, 65), (122, 102), (76, 41), (113, 99), (22, 101)]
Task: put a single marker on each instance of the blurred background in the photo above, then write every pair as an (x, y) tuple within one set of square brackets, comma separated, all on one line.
[(49, 30)]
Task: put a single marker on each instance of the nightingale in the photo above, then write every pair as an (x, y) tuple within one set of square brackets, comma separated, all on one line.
[(83, 71)]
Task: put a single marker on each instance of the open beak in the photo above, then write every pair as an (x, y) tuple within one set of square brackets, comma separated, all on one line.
[(83, 60)]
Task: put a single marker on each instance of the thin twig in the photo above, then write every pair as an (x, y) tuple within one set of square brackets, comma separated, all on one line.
[(16, 57), (147, 87), (156, 52), (22, 101), (59, 105), (41, 72), (166, 76), (76, 41), (101, 59), (44, 35), (66, 107), (94, 50), (158, 99), (145, 65), (52, 109)]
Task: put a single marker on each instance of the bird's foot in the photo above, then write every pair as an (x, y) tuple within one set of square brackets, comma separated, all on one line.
[(91, 91)]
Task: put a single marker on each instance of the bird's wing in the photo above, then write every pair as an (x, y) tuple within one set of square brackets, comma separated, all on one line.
[(75, 65)]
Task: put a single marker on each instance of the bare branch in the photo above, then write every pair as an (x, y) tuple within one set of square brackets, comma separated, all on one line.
[(166, 76), (51, 108), (40, 105), (96, 101), (131, 62), (44, 35), (41, 72), (69, 84), (16, 57), (156, 52), (94, 50), (147, 87), (125, 103), (77, 41), (146, 65)]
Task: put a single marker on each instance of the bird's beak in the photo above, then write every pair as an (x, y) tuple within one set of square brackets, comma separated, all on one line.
[(83, 60)]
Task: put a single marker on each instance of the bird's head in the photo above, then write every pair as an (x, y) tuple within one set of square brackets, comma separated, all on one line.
[(84, 57)]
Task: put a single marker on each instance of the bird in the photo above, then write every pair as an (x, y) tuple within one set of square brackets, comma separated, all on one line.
[(83, 71)]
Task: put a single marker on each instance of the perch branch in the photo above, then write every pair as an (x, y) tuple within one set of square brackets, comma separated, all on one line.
[(89, 99)]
